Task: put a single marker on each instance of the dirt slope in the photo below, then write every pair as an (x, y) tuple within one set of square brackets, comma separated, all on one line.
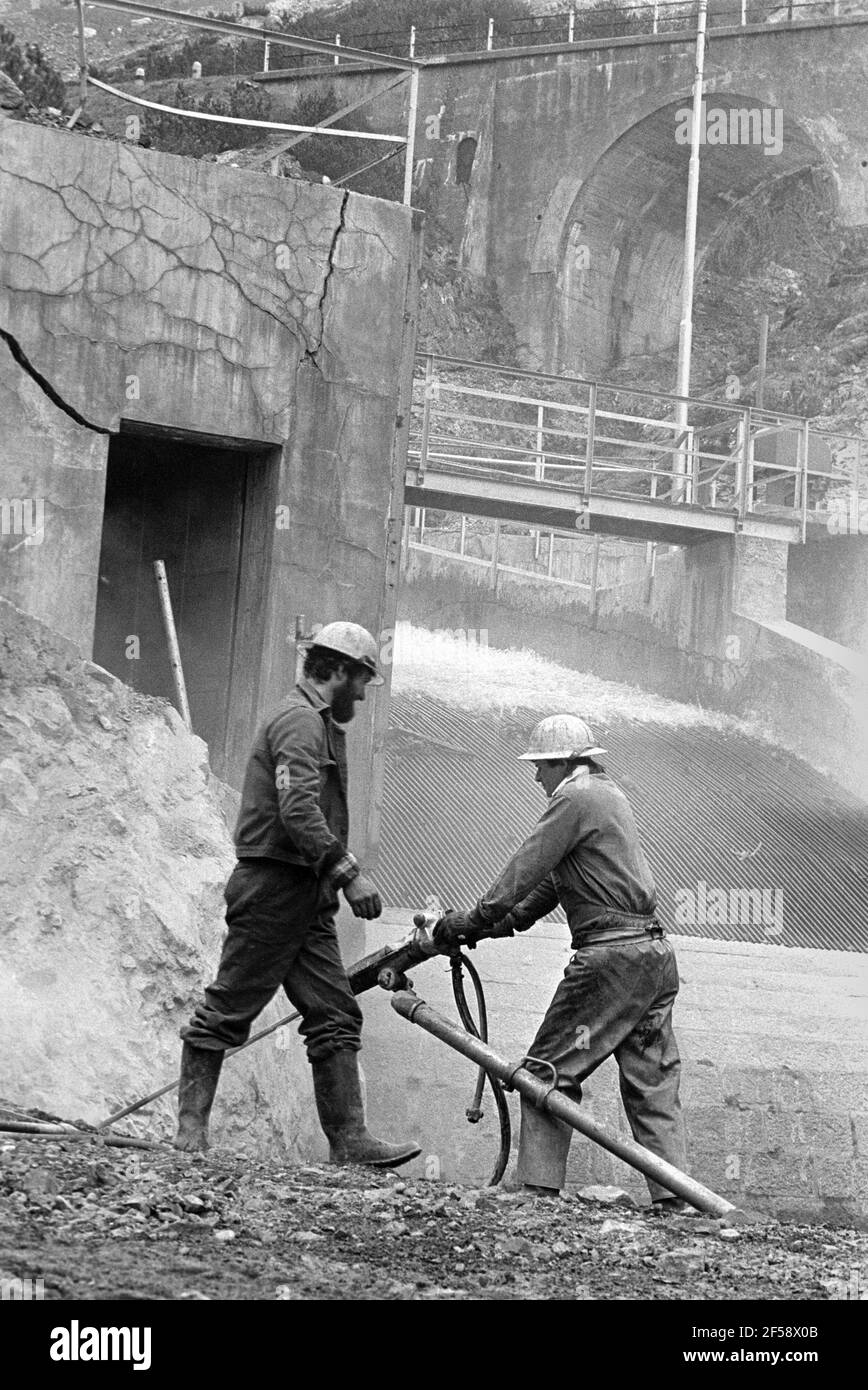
[(114, 850)]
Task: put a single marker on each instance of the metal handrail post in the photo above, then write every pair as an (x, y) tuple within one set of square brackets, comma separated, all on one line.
[(539, 468), (805, 442), (694, 466)]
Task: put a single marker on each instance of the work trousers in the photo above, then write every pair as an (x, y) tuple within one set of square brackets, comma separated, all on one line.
[(614, 998), (281, 933)]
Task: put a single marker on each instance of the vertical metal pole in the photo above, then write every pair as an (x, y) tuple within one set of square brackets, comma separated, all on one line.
[(266, 57), (589, 451), (337, 55), (805, 451), (82, 55), (463, 533), (422, 526), (410, 149), (744, 11), (685, 336), (490, 41), (539, 468), (571, 31), (741, 470), (551, 553), (412, 41), (761, 365), (172, 639), (656, 23), (694, 466)]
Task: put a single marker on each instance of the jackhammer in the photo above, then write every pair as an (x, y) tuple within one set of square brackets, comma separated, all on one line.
[(387, 968)]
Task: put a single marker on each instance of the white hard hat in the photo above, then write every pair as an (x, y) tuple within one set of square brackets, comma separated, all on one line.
[(559, 738), (350, 639)]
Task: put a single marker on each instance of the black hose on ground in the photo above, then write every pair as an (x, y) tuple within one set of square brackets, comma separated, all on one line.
[(458, 963)]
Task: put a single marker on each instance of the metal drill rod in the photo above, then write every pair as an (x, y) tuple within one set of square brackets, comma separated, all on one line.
[(547, 1097)]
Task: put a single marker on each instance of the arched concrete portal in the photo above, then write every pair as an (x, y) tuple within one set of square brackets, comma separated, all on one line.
[(619, 282), (590, 130)]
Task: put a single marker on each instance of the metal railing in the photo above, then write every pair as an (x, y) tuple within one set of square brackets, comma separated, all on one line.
[(652, 19), (593, 439), (578, 25), (408, 68), (552, 556)]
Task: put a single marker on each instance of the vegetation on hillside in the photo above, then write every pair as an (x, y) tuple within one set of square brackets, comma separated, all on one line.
[(30, 71)]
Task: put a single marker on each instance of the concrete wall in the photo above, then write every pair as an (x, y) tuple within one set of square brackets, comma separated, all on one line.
[(146, 291), (774, 1070), (827, 588), (576, 148), (695, 634)]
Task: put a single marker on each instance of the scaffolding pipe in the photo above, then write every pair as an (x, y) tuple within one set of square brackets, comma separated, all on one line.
[(547, 1097), (172, 642)]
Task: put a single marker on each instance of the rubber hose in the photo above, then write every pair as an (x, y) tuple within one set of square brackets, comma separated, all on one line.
[(457, 962)]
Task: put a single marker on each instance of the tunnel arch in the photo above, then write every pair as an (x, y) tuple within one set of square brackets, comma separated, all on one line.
[(620, 252)]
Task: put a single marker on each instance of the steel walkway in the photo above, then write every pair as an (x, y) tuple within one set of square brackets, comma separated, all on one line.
[(568, 453)]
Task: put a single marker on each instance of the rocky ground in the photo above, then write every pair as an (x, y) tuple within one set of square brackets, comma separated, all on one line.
[(98, 1222)]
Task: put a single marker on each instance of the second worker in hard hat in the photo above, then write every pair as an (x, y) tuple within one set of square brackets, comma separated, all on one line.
[(281, 901), (617, 992)]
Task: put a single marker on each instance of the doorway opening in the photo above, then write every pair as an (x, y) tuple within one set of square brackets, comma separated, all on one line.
[(202, 508)]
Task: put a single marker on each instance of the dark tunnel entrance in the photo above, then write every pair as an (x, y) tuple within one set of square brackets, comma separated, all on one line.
[(199, 508)]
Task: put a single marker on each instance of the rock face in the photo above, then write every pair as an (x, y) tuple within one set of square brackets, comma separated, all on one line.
[(114, 850), (11, 96)]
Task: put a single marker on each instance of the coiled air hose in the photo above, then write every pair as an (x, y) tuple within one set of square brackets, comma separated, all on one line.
[(458, 964)]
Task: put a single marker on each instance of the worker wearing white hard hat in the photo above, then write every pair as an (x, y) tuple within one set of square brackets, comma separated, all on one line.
[(617, 992), (291, 843)]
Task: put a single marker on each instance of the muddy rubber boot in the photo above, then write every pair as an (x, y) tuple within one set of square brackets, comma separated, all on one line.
[(338, 1091), (200, 1072)]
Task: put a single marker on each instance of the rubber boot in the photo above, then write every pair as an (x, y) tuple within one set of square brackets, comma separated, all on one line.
[(543, 1147), (338, 1090), (200, 1072)]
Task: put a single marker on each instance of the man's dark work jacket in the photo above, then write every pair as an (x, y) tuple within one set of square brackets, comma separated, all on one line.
[(294, 800), (584, 852)]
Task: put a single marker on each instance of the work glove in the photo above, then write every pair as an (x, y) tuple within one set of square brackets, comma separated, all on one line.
[(457, 929)]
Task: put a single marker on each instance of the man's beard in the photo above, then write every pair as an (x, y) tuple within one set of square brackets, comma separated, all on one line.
[(343, 706)]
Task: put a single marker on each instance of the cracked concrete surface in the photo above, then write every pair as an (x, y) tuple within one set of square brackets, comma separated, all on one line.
[(159, 292)]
